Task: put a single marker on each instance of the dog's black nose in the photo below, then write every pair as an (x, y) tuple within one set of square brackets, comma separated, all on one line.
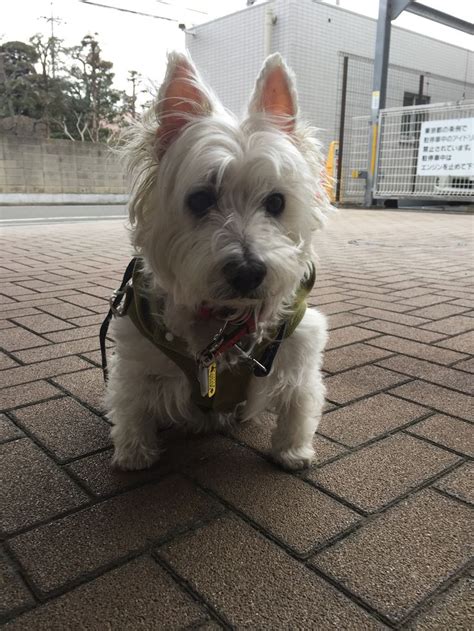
[(244, 275)]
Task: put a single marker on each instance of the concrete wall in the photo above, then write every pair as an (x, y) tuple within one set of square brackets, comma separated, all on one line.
[(40, 167)]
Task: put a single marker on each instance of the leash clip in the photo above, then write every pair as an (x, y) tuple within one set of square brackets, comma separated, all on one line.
[(251, 360), (116, 299)]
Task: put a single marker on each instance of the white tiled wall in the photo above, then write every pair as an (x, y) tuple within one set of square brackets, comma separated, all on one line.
[(313, 37), (229, 52)]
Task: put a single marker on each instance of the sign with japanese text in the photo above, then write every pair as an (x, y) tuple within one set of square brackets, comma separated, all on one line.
[(446, 147)]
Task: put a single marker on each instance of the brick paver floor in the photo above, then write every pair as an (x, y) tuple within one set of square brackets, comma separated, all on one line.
[(375, 535)]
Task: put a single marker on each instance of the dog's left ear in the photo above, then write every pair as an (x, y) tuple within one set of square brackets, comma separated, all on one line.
[(275, 94), (181, 98)]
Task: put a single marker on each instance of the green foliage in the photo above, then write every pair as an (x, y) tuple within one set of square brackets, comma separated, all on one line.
[(70, 89)]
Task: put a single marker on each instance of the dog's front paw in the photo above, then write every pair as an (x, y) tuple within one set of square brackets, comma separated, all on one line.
[(294, 458), (134, 458)]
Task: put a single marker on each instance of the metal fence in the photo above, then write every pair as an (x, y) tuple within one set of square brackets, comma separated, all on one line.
[(354, 164), (416, 159), (405, 88)]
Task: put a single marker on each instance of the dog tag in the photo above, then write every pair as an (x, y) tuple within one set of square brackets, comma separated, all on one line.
[(212, 380)]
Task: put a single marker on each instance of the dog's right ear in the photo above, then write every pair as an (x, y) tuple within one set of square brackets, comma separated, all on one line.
[(182, 98)]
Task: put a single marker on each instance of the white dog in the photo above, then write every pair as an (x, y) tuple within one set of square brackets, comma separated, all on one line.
[(222, 217)]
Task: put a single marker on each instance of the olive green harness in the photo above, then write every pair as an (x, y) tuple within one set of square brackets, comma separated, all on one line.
[(227, 386)]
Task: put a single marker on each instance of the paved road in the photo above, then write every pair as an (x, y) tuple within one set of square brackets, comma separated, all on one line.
[(55, 213)]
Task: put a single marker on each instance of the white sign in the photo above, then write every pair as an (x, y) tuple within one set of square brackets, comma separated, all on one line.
[(446, 147)]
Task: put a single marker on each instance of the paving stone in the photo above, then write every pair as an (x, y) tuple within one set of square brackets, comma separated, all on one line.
[(417, 349), (43, 323), (58, 350), (448, 401), (65, 310), (72, 334), (346, 318), (360, 382), (85, 300), (12, 290), (425, 300), (395, 561), (467, 365), (255, 585), (360, 422), (94, 356), (87, 385), (65, 428), (377, 304), (351, 356), (6, 362), (257, 434), (451, 610), (42, 370), (14, 595), (451, 326), (93, 318), (138, 595), (447, 431), (17, 339), (348, 335), (33, 488), (61, 551), (427, 371), (233, 476), (26, 393), (333, 307), (8, 430), (463, 343), (459, 483), (436, 312), (399, 318), (180, 452), (378, 474), (319, 301), (14, 314), (402, 330), (13, 306)]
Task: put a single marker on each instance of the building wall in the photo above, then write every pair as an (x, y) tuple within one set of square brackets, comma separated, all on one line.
[(37, 165), (229, 52), (314, 37)]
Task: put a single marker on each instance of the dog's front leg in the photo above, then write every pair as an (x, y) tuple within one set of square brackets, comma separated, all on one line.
[(134, 431), (298, 416)]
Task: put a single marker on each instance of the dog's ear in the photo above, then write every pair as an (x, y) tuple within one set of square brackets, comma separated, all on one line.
[(182, 98), (275, 94)]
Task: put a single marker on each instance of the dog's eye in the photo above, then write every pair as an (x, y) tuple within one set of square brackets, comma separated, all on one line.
[(274, 204), (200, 202)]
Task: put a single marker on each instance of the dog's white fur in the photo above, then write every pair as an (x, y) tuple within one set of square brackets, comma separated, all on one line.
[(185, 142)]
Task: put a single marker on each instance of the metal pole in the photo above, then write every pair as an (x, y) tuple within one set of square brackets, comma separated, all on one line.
[(342, 121), (379, 89), (417, 128)]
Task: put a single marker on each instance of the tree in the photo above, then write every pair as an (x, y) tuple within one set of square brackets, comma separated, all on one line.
[(52, 89), (20, 94), (70, 89), (92, 95)]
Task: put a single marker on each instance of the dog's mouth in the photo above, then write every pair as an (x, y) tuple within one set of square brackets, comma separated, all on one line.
[(229, 311)]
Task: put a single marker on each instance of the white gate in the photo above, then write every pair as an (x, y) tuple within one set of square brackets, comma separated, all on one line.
[(426, 152)]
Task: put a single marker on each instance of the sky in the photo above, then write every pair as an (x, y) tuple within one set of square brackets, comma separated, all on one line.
[(140, 43)]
